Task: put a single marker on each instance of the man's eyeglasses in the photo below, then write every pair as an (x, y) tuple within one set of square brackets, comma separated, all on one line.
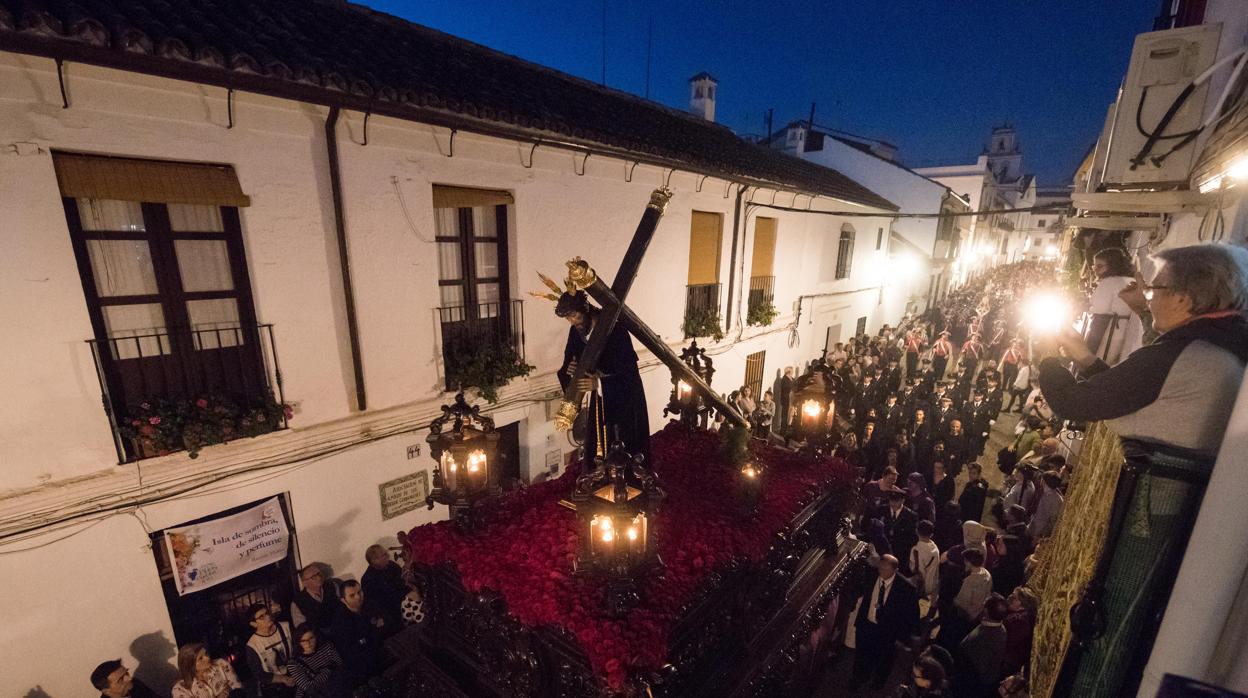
[(1149, 291)]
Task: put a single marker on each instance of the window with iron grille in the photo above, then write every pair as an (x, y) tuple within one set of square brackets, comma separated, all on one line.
[(754, 374), (845, 254), (159, 248), (476, 313), (702, 289)]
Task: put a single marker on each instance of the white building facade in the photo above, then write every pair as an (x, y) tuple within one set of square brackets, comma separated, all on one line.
[(361, 361), (922, 249)]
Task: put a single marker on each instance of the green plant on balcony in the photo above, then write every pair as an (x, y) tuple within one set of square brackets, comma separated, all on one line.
[(484, 365), (703, 322), (161, 426), (761, 313)]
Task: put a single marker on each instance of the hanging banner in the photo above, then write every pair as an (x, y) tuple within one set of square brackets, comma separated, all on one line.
[(211, 552)]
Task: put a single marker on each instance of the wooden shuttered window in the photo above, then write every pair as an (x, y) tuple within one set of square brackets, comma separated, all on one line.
[(764, 247), (845, 252), (705, 240)]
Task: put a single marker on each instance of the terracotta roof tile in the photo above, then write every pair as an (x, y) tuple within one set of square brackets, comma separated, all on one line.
[(350, 55)]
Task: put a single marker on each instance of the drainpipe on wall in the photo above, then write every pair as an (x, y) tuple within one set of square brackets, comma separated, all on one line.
[(732, 259), (340, 225)]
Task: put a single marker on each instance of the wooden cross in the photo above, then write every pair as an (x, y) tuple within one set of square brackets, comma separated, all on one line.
[(615, 311)]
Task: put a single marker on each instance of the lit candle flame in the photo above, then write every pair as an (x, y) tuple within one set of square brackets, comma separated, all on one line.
[(608, 535), (632, 533), (812, 408), (749, 471), (476, 460)]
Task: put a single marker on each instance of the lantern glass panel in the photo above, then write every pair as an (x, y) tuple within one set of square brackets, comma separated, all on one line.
[(684, 391), (450, 471)]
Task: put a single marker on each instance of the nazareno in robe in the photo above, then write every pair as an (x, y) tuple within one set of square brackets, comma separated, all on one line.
[(623, 399)]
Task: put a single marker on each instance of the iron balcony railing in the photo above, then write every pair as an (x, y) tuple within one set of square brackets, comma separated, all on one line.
[(234, 363), (762, 290), (494, 331), (701, 310)]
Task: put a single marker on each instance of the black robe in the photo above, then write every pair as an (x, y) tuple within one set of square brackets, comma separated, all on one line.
[(623, 401)]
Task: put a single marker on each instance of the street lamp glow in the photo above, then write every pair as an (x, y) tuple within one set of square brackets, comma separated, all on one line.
[(1047, 312), (1050, 251), (1238, 169), (908, 267)]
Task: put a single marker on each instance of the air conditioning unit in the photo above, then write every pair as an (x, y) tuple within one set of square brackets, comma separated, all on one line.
[(1145, 149)]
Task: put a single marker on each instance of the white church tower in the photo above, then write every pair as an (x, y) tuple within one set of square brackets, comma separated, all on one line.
[(702, 95), (1004, 157)]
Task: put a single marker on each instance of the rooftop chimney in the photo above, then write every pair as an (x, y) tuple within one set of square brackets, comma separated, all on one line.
[(885, 150), (702, 95)]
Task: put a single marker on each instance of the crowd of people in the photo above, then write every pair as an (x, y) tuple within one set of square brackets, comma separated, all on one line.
[(326, 644), (949, 578), (916, 405)]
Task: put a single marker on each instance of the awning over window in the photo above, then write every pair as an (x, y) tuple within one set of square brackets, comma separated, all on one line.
[(466, 197), (157, 181)]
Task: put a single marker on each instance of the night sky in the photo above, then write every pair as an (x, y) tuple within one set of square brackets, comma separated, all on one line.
[(930, 76)]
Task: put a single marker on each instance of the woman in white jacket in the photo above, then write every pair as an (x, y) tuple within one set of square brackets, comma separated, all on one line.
[(1113, 331)]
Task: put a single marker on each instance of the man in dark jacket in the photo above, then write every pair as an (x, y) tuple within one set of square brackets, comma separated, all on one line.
[(863, 399), (977, 419), (921, 436), (888, 613), (317, 602), (909, 399), (989, 373), (980, 655), (957, 452), (113, 680), (945, 414), (357, 636), (974, 494), (994, 396), (892, 377), (384, 588), (892, 418), (899, 522)]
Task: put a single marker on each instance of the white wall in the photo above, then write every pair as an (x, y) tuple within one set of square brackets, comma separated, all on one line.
[(55, 444), (911, 192)]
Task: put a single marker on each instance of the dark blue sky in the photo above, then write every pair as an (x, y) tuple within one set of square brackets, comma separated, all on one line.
[(931, 76)]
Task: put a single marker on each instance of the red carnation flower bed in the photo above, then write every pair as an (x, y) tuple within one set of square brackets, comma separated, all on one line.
[(527, 547)]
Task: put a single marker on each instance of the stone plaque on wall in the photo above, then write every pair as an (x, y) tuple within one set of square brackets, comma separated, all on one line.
[(404, 494)]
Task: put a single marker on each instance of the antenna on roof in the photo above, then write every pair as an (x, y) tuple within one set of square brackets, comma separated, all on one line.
[(810, 127), (604, 43), (649, 46)]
